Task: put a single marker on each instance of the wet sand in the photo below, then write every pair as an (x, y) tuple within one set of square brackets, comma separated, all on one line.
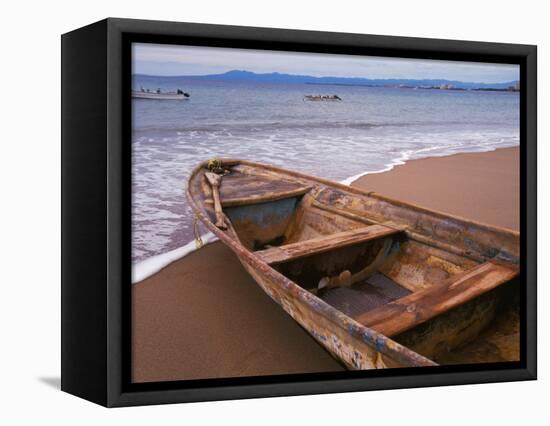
[(204, 317)]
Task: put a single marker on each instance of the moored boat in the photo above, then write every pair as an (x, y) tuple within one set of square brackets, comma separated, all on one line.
[(378, 282), (322, 98), (158, 95)]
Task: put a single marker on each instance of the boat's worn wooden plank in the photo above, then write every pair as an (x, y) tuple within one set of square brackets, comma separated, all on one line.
[(313, 223), (407, 312), (464, 237), (344, 213), (214, 180), (410, 234), (323, 244), (240, 189), (451, 329), (264, 197)]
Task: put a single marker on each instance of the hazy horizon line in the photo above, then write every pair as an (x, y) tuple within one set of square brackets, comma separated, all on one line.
[(322, 77)]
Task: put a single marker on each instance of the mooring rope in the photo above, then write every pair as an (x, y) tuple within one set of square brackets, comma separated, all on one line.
[(198, 239)]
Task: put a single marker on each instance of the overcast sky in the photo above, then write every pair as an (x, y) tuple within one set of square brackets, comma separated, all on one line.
[(158, 59)]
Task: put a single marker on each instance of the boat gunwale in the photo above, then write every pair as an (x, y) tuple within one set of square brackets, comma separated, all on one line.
[(379, 342), (438, 213), (360, 191)]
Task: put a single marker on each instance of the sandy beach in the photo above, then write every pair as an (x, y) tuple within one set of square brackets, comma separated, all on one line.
[(204, 317), (479, 186)]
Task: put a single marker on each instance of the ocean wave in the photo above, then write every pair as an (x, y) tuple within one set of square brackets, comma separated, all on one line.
[(255, 129), (276, 125)]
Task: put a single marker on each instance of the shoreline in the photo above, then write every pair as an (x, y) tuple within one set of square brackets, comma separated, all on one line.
[(154, 264), (405, 159), (150, 266)]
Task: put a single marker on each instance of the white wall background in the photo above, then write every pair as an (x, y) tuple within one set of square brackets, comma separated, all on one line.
[(30, 200)]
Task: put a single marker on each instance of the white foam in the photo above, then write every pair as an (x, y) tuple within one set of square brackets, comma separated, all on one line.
[(348, 181), (152, 265), (397, 162), (445, 150)]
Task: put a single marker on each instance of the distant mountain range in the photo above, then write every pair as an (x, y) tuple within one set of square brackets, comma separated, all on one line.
[(275, 77)]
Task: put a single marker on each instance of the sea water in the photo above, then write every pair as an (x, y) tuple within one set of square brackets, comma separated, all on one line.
[(371, 130)]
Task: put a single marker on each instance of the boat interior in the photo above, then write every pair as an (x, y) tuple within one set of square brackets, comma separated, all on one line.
[(382, 265)]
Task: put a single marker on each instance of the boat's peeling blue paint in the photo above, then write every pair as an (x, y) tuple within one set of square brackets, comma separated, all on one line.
[(263, 214)]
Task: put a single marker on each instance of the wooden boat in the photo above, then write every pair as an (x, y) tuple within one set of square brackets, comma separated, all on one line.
[(166, 96), (378, 282)]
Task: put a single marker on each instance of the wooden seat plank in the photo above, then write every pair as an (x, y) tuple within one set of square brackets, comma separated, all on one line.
[(241, 189), (323, 244), (416, 308)]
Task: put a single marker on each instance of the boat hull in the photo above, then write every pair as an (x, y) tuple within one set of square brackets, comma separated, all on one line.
[(159, 96), (417, 249)]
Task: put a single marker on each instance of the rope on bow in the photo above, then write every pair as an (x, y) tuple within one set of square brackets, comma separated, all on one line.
[(198, 239)]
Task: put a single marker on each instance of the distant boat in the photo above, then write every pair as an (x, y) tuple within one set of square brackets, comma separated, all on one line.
[(158, 95), (322, 98)]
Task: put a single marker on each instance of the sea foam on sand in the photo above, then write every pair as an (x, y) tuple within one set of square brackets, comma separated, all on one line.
[(154, 264)]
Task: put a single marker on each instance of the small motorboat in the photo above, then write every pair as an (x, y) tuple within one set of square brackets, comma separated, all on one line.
[(158, 95), (378, 282), (315, 98)]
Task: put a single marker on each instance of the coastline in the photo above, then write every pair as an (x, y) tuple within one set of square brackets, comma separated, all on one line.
[(203, 316), (405, 159), (150, 266)]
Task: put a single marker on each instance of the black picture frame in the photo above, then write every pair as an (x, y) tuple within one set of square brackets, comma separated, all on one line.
[(96, 211)]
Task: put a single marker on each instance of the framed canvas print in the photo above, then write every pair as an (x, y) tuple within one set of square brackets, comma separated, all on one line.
[(252, 212)]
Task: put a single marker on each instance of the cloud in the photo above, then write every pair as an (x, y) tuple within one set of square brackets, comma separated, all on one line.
[(157, 59)]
